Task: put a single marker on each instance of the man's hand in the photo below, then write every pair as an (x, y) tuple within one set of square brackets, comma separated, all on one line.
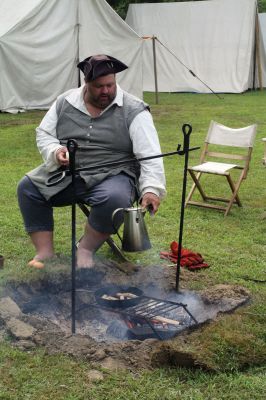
[(151, 202), (62, 156)]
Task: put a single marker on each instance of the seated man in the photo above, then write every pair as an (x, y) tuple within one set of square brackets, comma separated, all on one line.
[(113, 126)]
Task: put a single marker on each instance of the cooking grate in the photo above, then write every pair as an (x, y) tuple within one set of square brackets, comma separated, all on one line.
[(152, 317)]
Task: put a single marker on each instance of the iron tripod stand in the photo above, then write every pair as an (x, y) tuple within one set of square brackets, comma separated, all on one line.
[(72, 147)]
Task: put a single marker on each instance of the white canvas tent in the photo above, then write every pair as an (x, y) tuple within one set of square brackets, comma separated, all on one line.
[(41, 42), (262, 18), (215, 39)]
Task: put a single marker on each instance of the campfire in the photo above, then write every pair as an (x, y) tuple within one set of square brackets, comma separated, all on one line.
[(144, 316), (134, 315), (113, 312), (119, 319)]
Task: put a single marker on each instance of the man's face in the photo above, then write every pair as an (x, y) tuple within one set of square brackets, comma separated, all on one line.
[(102, 91)]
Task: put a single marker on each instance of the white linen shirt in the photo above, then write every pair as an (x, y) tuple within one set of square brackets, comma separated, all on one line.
[(142, 133)]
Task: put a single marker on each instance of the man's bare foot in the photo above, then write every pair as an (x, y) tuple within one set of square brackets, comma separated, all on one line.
[(84, 258), (44, 256), (39, 260)]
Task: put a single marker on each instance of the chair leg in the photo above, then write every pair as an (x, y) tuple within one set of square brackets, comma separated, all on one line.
[(196, 185), (233, 189), (192, 190), (235, 197)]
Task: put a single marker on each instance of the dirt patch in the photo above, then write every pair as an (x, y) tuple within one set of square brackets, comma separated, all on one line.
[(39, 314)]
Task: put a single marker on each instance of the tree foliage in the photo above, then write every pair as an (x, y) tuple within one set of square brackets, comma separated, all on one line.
[(121, 6)]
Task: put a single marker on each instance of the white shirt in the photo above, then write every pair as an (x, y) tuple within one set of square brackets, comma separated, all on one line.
[(142, 133)]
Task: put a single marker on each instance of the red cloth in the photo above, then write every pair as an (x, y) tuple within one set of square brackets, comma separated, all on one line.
[(189, 259)]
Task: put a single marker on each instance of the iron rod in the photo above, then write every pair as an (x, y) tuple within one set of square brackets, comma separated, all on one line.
[(187, 129), (131, 160), (60, 174), (72, 147)]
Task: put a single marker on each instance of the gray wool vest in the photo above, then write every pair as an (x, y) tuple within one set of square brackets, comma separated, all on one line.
[(106, 138)]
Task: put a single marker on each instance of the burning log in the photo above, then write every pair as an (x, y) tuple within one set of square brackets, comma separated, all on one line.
[(165, 320)]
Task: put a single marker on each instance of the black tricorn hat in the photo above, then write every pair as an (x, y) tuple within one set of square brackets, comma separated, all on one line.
[(99, 65)]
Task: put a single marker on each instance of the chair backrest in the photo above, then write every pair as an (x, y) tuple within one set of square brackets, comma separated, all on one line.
[(221, 135), (236, 137)]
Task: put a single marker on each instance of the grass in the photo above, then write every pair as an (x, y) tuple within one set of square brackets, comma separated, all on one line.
[(233, 246), (61, 378)]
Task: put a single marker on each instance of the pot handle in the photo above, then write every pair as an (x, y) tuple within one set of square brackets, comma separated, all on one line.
[(115, 228)]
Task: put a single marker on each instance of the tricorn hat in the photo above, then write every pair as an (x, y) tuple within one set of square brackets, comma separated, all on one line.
[(99, 65)]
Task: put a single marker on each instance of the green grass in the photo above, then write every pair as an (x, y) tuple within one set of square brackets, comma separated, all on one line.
[(36, 376), (234, 247)]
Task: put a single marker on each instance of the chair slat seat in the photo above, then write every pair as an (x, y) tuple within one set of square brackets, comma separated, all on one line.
[(213, 167)]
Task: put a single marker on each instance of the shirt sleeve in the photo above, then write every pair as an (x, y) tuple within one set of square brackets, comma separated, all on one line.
[(145, 144), (46, 139)]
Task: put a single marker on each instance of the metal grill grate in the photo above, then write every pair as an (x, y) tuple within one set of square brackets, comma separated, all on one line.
[(154, 317)]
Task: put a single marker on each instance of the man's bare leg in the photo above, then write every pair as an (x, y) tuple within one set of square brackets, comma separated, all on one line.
[(43, 243), (89, 243)]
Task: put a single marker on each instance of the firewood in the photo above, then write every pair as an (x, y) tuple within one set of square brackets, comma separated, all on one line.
[(162, 319), (165, 320)]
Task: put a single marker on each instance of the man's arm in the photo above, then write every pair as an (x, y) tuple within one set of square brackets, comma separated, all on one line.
[(146, 143), (47, 142)]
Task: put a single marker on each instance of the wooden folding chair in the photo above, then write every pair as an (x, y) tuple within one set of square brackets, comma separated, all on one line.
[(238, 144)]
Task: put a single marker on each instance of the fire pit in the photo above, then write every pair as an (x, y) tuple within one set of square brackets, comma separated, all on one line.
[(38, 313), (114, 312)]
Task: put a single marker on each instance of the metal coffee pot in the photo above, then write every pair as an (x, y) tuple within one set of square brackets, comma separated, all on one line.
[(135, 235)]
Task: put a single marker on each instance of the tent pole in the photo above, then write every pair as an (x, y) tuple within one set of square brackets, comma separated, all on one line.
[(155, 69), (78, 58), (257, 45), (79, 79)]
